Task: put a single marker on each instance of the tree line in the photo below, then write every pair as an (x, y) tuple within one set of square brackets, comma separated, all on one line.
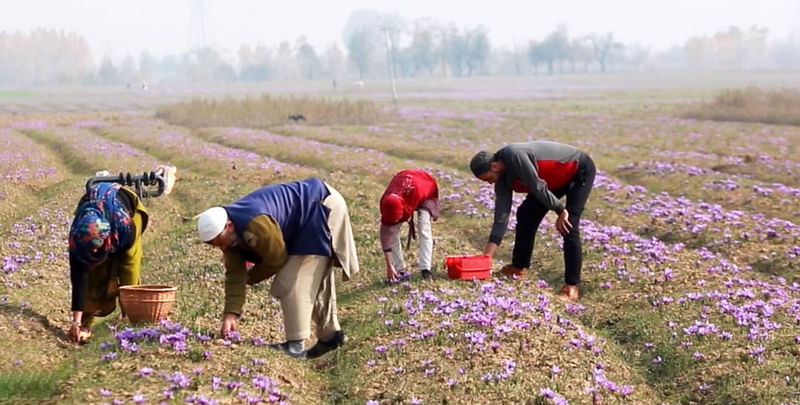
[(373, 42)]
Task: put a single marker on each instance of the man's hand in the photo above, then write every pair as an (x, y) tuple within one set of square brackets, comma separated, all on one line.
[(230, 323), (489, 249), (562, 223)]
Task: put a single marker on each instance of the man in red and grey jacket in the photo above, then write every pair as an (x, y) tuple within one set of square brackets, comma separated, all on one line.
[(546, 171), (408, 191)]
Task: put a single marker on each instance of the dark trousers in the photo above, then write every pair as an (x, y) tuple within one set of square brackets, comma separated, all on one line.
[(530, 214)]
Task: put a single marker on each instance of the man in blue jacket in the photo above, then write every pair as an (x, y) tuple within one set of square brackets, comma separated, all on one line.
[(295, 232)]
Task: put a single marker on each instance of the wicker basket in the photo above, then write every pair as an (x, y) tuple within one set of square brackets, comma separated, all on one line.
[(147, 303)]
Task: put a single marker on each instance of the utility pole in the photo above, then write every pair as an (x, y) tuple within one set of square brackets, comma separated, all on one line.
[(390, 61), (197, 25)]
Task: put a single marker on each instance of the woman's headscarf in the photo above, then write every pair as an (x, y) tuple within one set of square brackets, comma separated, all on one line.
[(101, 226)]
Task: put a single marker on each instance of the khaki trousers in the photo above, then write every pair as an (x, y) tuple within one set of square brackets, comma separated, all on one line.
[(307, 292)]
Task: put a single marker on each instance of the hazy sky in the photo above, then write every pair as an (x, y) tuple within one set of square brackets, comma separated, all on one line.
[(118, 27)]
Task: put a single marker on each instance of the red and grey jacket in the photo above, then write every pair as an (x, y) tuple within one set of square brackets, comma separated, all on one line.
[(535, 168), (418, 190)]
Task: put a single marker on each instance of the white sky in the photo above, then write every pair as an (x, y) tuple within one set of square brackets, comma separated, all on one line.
[(118, 28)]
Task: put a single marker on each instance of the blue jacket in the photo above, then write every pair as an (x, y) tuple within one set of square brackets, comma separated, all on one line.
[(296, 207)]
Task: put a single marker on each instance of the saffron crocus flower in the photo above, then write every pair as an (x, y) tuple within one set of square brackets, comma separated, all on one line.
[(556, 370), (145, 371)]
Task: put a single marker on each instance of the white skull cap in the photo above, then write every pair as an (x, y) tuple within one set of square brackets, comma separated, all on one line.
[(211, 223)]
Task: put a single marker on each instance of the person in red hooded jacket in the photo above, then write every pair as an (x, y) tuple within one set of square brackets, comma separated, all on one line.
[(409, 191)]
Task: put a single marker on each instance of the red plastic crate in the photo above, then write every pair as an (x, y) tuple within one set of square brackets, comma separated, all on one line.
[(468, 267)]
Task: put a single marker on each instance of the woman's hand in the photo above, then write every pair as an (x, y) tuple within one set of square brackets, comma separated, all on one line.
[(391, 274), (75, 332)]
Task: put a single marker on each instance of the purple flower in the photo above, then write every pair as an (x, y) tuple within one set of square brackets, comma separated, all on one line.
[(656, 360), (556, 370), (547, 393), (104, 392), (180, 379), (138, 398), (145, 371), (381, 349), (370, 362)]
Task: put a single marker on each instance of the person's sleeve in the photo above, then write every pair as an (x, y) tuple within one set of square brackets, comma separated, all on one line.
[(130, 259), (264, 236), (79, 276), (388, 234), (521, 165), (502, 208), (235, 281)]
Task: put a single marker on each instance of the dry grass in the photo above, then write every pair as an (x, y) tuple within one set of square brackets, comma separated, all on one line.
[(266, 110), (752, 104)]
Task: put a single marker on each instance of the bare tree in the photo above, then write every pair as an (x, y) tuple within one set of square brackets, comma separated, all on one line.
[(423, 46), (602, 47), (477, 48), (535, 55), (307, 60), (334, 58), (361, 49)]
